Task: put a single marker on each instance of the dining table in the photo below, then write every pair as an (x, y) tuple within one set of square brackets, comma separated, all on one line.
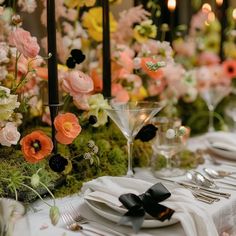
[(222, 212)]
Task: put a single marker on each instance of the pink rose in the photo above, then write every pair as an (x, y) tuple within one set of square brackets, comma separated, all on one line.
[(81, 101), (76, 83), (24, 42), (208, 58), (120, 93), (9, 135)]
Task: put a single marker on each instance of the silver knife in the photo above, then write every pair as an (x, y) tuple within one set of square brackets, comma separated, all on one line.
[(196, 187)]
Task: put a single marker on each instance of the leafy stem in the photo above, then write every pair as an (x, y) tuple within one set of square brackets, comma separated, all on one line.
[(33, 190)]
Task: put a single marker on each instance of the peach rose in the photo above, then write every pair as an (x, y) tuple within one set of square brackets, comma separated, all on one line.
[(36, 146), (67, 127), (24, 42), (76, 82), (120, 93)]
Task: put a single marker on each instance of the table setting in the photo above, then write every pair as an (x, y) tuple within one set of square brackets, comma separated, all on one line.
[(116, 122), (192, 203)]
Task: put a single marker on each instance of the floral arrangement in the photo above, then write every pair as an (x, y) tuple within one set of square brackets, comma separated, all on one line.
[(142, 69)]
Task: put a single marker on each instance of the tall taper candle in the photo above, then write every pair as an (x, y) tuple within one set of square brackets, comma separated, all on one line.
[(53, 97), (224, 23), (106, 50)]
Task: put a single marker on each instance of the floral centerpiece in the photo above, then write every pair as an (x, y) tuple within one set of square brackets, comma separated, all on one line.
[(143, 68)]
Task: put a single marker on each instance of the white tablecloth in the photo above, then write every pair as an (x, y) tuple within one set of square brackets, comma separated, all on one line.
[(223, 212)]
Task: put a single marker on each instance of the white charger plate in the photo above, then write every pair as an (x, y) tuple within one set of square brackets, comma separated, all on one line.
[(223, 153), (114, 216)]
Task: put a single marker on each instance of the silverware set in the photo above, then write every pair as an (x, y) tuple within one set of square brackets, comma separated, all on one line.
[(74, 221), (205, 187)]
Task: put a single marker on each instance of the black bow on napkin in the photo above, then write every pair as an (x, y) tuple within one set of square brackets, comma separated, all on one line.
[(147, 202)]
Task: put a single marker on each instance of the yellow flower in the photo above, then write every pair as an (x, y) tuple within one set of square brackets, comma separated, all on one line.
[(144, 31), (230, 49), (115, 1), (92, 20), (140, 94), (79, 3), (212, 42)]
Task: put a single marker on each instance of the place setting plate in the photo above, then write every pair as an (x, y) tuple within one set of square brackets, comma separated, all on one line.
[(109, 208), (222, 144)]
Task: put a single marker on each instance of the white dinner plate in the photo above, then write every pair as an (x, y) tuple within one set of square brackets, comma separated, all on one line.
[(223, 153), (114, 216)]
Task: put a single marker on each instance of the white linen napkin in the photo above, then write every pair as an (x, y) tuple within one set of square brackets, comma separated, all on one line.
[(194, 218), (222, 140)]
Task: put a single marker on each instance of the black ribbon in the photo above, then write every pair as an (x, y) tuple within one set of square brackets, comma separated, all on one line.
[(147, 202)]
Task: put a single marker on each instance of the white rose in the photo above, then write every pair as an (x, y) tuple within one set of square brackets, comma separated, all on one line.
[(9, 135)]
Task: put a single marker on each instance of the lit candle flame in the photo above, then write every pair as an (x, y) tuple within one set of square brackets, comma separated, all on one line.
[(219, 2), (234, 14), (206, 7), (171, 4)]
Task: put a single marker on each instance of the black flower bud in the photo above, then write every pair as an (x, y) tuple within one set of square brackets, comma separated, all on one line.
[(77, 55), (70, 62), (58, 163), (93, 120), (147, 133)]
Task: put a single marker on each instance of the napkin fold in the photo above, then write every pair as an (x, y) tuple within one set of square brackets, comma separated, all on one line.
[(194, 218), (222, 140)]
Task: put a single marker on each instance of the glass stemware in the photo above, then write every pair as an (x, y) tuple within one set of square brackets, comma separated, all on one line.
[(13, 219), (130, 117), (167, 143), (212, 96), (230, 112)]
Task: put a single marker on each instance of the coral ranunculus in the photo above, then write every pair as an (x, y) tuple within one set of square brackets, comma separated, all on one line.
[(36, 146), (67, 127)]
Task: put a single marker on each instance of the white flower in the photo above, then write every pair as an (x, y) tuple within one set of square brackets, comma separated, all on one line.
[(4, 53), (97, 104), (8, 103), (9, 135), (137, 63), (170, 133), (3, 72), (27, 5)]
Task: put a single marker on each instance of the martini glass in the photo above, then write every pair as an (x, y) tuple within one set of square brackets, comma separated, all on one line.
[(212, 96), (130, 117)]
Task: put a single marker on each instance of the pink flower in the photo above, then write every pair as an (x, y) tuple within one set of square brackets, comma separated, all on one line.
[(81, 101), (208, 58), (76, 83), (9, 135), (120, 93), (24, 42), (185, 47), (198, 22)]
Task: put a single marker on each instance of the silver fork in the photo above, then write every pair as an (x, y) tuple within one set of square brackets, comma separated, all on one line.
[(82, 220), (73, 225)]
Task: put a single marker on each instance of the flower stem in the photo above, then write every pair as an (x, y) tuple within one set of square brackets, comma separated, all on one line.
[(33, 190), (49, 191)]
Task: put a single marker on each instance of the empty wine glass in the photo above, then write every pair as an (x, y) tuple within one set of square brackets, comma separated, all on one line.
[(212, 96), (130, 117), (169, 141), (230, 112), (13, 219)]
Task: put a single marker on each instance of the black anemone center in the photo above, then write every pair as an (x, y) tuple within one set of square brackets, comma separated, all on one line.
[(231, 69), (36, 145)]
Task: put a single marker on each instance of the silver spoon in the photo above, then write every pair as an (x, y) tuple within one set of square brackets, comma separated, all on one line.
[(199, 179), (219, 173)]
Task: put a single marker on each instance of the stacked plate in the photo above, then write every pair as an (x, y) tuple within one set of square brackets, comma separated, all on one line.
[(222, 144), (109, 207)]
